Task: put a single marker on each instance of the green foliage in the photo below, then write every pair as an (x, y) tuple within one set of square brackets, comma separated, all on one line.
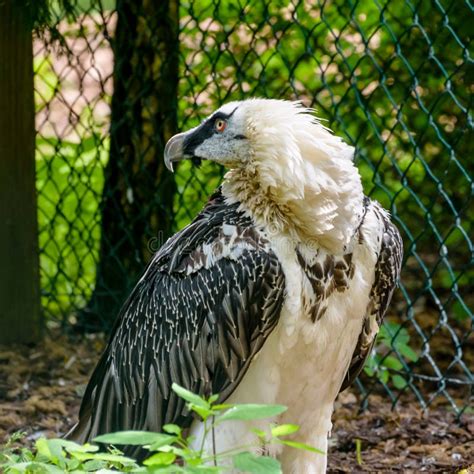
[(391, 339), (69, 180), (60, 456), (249, 462), (170, 452)]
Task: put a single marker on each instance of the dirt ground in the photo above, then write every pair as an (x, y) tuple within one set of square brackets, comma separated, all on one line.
[(41, 388)]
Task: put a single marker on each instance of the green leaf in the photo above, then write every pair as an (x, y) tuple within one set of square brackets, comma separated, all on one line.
[(57, 453), (108, 457), (168, 448), (134, 438), (42, 447), (172, 429), (222, 406), (35, 467), (260, 433), (408, 353), (73, 464), (202, 470), (305, 447), (94, 465), (71, 447), (212, 399), (392, 363), (251, 412), (253, 464), (399, 382), (383, 375), (284, 430), (203, 412), (167, 440), (160, 459), (190, 396)]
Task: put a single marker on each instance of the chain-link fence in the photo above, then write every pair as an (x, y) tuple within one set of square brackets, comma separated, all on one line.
[(390, 76)]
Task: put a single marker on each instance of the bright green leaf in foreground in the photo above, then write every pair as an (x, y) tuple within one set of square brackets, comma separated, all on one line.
[(190, 396), (254, 464), (306, 447), (109, 457), (134, 438), (160, 459), (43, 448), (35, 467), (408, 353), (260, 433), (222, 406), (399, 382), (251, 412), (213, 398), (203, 412), (172, 429), (284, 430), (170, 452)]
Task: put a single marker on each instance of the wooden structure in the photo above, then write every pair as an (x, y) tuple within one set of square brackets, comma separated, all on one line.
[(19, 272)]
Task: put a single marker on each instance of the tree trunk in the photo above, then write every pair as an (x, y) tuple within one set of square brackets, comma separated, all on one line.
[(19, 275), (137, 201)]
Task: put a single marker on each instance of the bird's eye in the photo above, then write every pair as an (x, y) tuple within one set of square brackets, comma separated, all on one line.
[(220, 125)]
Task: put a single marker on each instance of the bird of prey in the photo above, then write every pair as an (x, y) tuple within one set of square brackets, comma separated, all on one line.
[(273, 294)]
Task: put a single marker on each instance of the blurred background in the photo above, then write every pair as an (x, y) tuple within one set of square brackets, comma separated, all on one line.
[(113, 80)]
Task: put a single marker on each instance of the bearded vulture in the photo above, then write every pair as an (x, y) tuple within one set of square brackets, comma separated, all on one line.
[(273, 294)]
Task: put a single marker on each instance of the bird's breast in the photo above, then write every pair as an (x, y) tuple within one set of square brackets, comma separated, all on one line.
[(304, 361)]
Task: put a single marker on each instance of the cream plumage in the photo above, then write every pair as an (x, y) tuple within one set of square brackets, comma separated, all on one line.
[(273, 294)]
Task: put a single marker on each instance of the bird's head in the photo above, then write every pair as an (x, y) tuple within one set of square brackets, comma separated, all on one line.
[(283, 162), (274, 136), (222, 137)]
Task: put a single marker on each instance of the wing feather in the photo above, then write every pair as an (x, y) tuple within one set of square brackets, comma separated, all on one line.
[(197, 317), (387, 273)]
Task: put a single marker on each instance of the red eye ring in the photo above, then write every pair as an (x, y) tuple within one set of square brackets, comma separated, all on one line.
[(220, 125)]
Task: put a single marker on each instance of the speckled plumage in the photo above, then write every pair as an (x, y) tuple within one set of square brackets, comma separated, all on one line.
[(273, 294), (387, 272), (197, 317)]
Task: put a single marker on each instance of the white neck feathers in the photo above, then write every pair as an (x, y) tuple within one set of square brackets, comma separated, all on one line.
[(300, 178)]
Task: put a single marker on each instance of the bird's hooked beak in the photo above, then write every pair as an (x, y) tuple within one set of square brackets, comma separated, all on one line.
[(188, 145), (174, 150)]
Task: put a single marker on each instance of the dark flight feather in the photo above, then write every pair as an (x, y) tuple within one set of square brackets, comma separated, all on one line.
[(194, 319)]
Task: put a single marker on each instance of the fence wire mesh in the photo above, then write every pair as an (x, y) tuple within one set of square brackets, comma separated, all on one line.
[(114, 80)]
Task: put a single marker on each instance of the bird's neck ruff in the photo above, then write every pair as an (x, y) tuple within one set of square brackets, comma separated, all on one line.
[(300, 181)]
